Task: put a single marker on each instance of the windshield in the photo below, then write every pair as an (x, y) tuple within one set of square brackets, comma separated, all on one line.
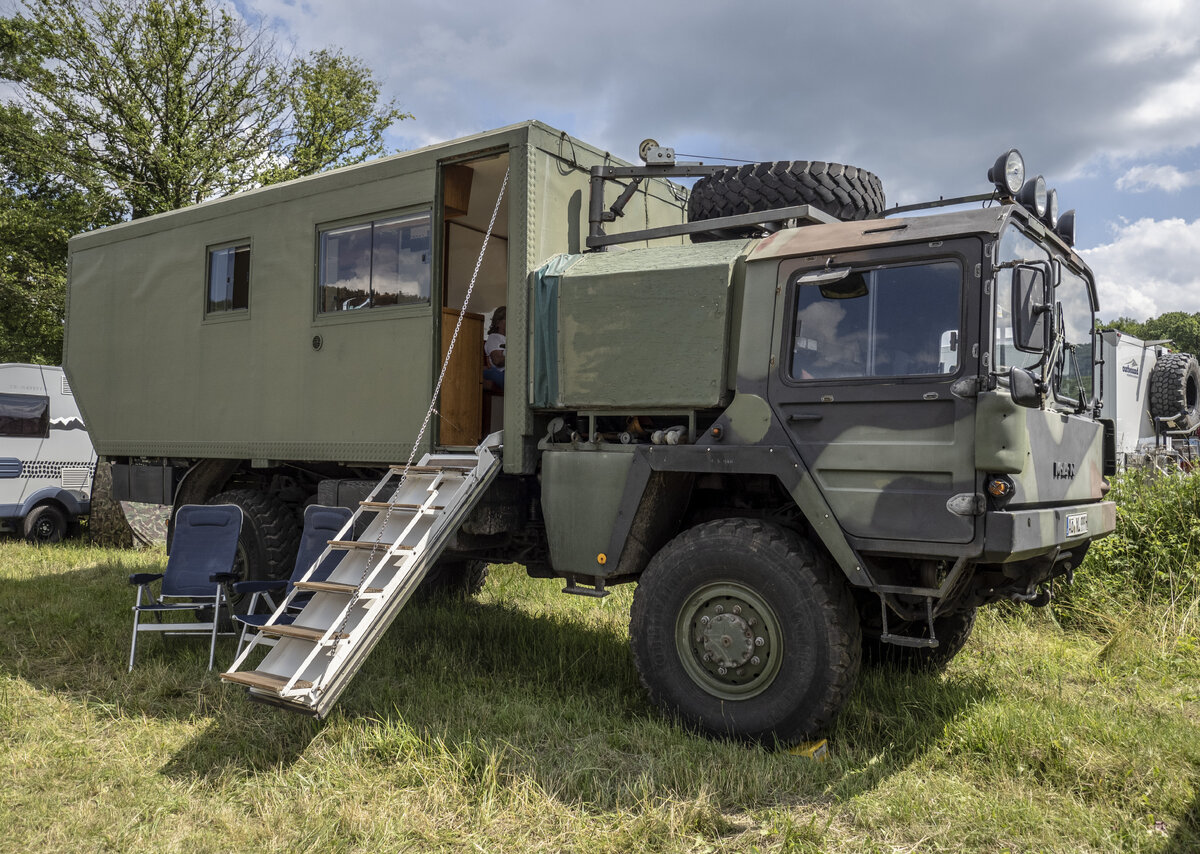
[(1071, 376)]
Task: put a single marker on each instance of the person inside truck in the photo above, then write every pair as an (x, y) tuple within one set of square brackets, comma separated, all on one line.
[(493, 348)]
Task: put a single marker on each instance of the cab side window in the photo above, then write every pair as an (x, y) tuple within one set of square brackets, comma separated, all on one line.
[(886, 322)]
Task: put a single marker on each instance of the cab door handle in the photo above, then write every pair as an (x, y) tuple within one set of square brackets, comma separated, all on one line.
[(804, 416)]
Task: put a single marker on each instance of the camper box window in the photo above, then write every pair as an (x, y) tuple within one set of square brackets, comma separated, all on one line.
[(375, 264), (24, 415), (228, 278)]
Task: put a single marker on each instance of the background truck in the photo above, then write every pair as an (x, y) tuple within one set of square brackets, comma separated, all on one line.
[(46, 458), (1151, 398), (807, 432)]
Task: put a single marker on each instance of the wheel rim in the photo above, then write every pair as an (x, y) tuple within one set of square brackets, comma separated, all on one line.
[(729, 640), (44, 529)]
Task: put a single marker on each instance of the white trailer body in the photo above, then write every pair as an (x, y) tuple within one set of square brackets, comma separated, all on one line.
[(1130, 368), (47, 461)]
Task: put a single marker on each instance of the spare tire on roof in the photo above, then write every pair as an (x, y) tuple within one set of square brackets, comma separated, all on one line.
[(1175, 390), (844, 192)]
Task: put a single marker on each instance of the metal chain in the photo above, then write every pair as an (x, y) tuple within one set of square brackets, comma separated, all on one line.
[(437, 390)]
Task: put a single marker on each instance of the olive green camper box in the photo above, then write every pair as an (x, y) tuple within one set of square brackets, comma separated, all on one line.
[(306, 321)]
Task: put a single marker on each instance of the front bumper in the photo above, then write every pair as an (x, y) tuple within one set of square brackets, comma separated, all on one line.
[(1022, 534)]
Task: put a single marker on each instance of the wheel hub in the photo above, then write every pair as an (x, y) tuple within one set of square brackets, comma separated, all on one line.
[(729, 640)]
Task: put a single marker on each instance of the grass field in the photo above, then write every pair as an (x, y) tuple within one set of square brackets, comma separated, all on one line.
[(515, 722)]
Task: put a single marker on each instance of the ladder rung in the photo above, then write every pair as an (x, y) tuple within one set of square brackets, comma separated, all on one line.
[(384, 505), (333, 587), (264, 681), (299, 632), (449, 469), (366, 544)]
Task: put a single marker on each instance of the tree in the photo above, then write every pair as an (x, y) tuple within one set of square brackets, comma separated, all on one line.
[(1181, 328), (336, 118), (39, 210), (175, 101), (134, 107)]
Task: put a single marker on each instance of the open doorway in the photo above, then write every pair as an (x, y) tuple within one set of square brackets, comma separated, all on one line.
[(471, 406)]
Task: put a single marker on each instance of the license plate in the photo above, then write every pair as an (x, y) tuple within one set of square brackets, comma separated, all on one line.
[(1076, 524)]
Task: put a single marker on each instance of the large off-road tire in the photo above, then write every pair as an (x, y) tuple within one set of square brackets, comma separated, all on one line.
[(45, 524), (270, 535), (740, 628), (454, 579), (952, 632), (1175, 389), (844, 192)]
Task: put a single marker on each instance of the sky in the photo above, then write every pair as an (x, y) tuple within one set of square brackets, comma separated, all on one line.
[(1102, 97)]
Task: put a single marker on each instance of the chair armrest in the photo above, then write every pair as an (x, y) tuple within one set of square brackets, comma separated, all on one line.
[(259, 586), (140, 578), (224, 577)]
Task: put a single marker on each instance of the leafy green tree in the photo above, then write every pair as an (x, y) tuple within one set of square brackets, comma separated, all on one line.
[(134, 107), (336, 116), (1179, 326), (173, 102), (39, 210)]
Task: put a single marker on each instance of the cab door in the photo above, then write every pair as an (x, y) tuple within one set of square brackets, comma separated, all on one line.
[(872, 345)]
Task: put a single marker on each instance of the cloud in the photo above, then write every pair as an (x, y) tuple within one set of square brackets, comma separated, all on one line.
[(1141, 179), (1151, 266), (925, 95)]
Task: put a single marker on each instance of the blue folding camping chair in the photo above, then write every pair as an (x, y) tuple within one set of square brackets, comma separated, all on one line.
[(203, 548), (321, 524)]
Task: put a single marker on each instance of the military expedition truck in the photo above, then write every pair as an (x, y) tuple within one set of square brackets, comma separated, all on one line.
[(808, 432)]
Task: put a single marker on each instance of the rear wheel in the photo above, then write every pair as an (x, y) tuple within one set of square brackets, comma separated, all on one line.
[(740, 628), (269, 538), (45, 524)]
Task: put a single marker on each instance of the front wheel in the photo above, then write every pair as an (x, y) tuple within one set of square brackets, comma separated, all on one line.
[(740, 628)]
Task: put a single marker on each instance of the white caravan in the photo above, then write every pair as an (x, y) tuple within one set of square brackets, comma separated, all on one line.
[(46, 457)]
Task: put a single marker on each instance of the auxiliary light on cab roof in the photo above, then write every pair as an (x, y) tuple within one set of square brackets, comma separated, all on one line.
[(1066, 227), (1008, 173), (1051, 217), (1033, 196)]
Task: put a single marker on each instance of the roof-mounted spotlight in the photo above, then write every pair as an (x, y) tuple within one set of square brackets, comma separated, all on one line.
[(1008, 173), (1066, 228), (1033, 196), (1051, 217)]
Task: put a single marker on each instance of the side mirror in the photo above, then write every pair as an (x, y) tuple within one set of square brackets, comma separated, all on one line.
[(1029, 309), (1024, 388)]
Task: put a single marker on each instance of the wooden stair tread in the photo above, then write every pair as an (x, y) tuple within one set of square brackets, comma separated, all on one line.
[(264, 681), (300, 632), (446, 469), (364, 544), (383, 505), (332, 587)]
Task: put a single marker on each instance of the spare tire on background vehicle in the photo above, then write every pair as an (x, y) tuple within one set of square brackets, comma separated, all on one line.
[(844, 192), (1175, 390)]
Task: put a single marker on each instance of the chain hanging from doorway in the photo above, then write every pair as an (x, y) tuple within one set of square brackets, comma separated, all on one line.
[(437, 390)]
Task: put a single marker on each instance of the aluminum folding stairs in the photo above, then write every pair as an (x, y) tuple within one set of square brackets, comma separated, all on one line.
[(408, 519)]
